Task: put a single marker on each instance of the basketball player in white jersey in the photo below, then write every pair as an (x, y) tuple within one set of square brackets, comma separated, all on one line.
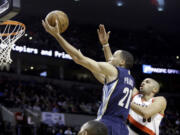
[(146, 110)]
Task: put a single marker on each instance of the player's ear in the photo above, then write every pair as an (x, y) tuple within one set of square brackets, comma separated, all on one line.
[(155, 90), (122, 62)]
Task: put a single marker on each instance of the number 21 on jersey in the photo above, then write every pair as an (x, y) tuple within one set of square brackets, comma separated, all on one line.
[(128, 94)]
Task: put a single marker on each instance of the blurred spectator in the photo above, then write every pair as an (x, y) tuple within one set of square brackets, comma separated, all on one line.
[(60, 132), (68, 131)]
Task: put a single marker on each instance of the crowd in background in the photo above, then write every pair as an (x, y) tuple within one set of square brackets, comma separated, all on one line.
[(170, 124), (52, 98), (48, 97)]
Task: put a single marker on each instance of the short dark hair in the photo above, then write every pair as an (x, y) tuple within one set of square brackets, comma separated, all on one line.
[(97, 128), (128, 58)]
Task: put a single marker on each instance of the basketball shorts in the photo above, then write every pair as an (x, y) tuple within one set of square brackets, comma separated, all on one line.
[(115, 127)]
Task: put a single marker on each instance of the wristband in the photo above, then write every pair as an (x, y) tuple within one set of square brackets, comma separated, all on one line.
[(106, 45)]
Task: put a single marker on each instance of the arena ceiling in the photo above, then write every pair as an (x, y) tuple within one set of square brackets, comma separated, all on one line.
[(134, 14)]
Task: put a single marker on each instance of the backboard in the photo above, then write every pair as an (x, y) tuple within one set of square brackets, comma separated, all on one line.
[(9, 9)]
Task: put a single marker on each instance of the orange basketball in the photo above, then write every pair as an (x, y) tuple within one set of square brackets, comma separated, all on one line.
[(61, 18)]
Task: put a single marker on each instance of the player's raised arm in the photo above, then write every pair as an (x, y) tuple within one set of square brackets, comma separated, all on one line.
[(104, 40), (157, 106), (99, 67)]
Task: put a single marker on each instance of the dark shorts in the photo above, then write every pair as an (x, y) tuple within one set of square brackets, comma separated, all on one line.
[(115, 127)]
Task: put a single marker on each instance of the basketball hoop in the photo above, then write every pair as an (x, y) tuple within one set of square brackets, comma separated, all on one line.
[(10, 32)]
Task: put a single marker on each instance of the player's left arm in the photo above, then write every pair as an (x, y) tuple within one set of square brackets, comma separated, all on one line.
[(103, 38), (158, 105)]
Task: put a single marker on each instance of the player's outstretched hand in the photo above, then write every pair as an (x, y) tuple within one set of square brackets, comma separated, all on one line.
[(54, 31), (103, 36)]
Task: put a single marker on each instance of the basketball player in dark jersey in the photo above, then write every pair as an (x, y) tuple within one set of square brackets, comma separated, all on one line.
[(114, 74)]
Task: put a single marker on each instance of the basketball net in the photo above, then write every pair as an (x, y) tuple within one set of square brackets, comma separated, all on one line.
[(13, 30)]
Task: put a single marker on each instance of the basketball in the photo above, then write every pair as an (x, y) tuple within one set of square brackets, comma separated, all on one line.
[(61, 18)]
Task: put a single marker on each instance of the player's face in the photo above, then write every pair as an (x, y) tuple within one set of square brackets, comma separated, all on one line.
[(115, 60), (147, 86)]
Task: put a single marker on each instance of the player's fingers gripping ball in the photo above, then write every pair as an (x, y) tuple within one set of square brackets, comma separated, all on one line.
[(60, 17)]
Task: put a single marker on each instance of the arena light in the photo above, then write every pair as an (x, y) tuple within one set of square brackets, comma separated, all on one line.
[(44, 74), (177, 57), (160, 4), (148, 69), (31, 67), (160, 9), (30, 38), (119, 3)]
